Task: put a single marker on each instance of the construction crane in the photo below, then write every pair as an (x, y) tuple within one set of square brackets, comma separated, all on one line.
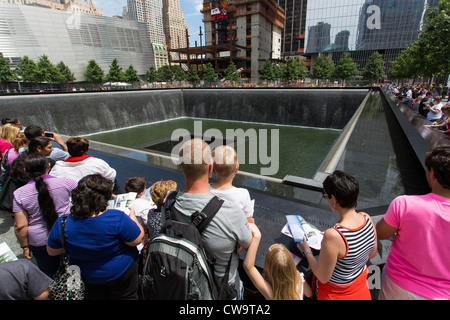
[(91, 7), (219, 15), (219, 9)]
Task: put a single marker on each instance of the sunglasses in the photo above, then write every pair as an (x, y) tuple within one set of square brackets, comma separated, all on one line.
[(325, 195)]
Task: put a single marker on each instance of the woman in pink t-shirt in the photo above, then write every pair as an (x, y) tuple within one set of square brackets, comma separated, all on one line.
[(418, 264), (8, 134)]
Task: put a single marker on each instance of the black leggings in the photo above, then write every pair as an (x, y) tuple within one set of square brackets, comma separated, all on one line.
[(123, 288)]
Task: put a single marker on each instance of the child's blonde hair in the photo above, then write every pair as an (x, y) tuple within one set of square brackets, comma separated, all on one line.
[(9, 132), (225, 161), (159, 190), (280, 271)]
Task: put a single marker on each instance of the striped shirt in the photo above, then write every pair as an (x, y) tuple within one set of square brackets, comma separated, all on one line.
[(26, 199), (359, 243)]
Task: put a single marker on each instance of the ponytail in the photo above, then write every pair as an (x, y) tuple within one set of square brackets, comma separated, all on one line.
[(36, 166)]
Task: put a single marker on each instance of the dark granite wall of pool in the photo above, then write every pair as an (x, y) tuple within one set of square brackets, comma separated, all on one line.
[(89, 112)]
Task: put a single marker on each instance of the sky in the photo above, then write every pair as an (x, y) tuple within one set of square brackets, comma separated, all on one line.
[(190, 8)]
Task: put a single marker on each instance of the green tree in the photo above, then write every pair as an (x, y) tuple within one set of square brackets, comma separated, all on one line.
[(404, 66), (267, 72), (66, 74), (374, 69), (151, 74), (164, 74), (47, 72), (192, 75), (6, 74), (94, 73), (433, 41), (323, 68), (346, 68), (429, 55), (131, 75), (294, 69), (178, 73), (27, 70), (231, 72), (210, 73), (115, 73)]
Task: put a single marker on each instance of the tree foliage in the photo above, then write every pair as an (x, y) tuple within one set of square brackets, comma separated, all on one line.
[(428, 55), (231, 72), (346, 68), (94, 73), (164, 73), (293, 69), (6, 74), (374, 69), (267, 72), (67, 75), (151, 74), (192, 75), (178, 73), (210, 74), (47, 72), (115, 73), (131, 75), (323, 68)]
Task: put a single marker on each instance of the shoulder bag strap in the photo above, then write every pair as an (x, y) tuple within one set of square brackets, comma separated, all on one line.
[(63, 239)]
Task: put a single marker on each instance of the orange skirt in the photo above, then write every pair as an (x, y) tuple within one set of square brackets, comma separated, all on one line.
[(357, 290)]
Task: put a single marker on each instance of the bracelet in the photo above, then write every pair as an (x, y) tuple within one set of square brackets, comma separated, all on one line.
[(306, 252), (25, 247)]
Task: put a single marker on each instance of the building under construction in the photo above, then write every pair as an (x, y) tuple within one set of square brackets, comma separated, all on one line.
[(245, 32)]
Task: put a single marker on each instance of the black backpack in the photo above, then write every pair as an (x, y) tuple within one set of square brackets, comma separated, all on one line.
[(177, 265)]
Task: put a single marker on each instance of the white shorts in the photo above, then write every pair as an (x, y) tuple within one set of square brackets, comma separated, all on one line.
[(391, 291)]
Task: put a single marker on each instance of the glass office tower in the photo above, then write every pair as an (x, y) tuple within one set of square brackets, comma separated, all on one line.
[(363, 26), (73, 38)]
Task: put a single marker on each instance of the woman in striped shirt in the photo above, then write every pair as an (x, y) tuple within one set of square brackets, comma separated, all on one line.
[(36, 207), (341, 270)]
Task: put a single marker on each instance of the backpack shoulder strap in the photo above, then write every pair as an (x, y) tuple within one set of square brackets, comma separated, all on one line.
[(169, 206), (202, 219)]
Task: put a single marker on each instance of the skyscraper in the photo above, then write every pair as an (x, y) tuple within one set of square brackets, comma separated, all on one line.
[(150, 12), (293, 34), (174, 24)]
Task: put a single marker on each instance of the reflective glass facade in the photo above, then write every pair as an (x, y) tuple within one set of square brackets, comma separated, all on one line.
[(73, 38), (362, 24)]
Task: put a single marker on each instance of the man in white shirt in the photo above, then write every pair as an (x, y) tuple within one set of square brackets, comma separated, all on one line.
[(79, 164)]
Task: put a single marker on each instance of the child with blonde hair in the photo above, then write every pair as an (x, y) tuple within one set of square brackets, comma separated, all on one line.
[(280, 279), (225, 167), (158, 191)]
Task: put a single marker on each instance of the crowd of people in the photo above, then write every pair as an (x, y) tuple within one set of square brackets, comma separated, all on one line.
[(427, 102), (40, 185)]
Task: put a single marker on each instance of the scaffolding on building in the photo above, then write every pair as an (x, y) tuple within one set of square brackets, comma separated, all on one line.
[(224, 48)]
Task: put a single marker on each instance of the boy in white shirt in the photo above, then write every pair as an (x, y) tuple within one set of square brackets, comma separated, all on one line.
[(225, 167), (141, 205)]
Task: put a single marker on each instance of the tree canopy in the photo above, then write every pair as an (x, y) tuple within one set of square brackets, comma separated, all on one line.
[(323, 68), (93, 74), (115, 73), (374, 69), (346, 68)]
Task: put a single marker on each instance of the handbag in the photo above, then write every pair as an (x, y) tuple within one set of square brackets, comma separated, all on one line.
[(67, 283)]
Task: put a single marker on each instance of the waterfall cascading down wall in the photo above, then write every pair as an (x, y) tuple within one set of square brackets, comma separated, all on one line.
[(92, 112)]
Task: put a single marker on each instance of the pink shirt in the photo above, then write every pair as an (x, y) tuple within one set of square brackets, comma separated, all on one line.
[(26, 199), (419, 261), (4, 145)]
